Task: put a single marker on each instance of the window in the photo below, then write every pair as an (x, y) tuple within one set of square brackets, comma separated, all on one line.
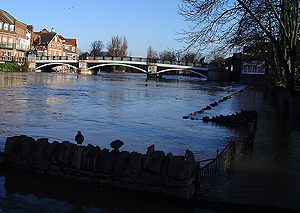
[(1, 25), (10, 43), (11, 28), (5, 26)]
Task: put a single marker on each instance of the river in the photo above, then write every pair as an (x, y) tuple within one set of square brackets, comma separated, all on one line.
[(114, 106), (141, 113)]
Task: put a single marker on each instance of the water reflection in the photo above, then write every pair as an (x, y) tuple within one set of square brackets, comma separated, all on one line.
[(24, 192)]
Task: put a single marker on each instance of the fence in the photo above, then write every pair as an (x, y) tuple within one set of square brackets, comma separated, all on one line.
[(208, 175)]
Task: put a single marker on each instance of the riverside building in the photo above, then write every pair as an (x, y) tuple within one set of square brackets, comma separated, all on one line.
[(15, 38)]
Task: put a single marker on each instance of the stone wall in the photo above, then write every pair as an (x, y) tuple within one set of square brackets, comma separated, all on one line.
[(152, 172)]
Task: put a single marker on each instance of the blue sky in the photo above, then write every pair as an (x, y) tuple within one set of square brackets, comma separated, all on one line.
[(143, 23)]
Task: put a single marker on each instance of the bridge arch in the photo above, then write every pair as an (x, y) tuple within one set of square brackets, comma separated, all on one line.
[(55, 65), (117, 64), (189, 70)]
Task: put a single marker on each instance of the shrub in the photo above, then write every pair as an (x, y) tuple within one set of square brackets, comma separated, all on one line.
[(10, 67)]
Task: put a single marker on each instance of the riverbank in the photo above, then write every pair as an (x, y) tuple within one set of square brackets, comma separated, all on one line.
[(10, 67)]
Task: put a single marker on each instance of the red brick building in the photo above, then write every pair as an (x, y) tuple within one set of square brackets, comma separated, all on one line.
[(14, 38), (52, 44)]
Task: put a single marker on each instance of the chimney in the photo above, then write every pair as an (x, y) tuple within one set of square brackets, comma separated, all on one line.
[(52, 30), (30, 28)]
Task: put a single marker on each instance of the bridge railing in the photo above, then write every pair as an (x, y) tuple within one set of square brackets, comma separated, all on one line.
[(49, 58), (113, 58)]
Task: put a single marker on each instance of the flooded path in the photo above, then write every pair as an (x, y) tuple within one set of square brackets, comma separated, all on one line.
[(270, 174)]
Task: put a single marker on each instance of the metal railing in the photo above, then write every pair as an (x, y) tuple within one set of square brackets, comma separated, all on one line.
[(7, 45), (139, 59), (52, 58), (207, 175), (125, 59), (11, 59)]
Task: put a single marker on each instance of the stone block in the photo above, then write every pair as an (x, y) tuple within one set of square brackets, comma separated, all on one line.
[(69, 152), (77, 156), (40, 165), (108, 162), (42, 146), (136, 162), (60, 156), (88, 157), (12, 145), (98, 160), (153, 161), (190, 162), (149, 179), (121, 165), (185, 193), (177, 167), (27, 150), (165, 165)]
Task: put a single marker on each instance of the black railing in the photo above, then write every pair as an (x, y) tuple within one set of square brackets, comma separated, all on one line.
[(207, 175), (12, 59), (7, 45), (39, 58), (114, 58)]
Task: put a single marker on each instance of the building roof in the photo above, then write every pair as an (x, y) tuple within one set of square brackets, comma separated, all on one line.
[(6, 17), (70, 41), (46, 38), (69, 51)]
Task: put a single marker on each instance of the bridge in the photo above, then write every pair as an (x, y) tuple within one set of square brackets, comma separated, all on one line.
[(91, 65)]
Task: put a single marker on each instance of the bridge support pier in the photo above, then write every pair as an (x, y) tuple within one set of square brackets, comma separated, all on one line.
[(152, 71), (154, 76), (31, 59), (83, 68)]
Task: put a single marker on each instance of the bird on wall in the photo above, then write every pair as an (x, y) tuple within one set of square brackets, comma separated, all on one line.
[(79, 138), (116, 144)]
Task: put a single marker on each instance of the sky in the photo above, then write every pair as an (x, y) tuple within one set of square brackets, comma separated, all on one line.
[(143, 23)]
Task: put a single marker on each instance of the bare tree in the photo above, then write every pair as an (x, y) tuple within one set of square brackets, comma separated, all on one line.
[(150, 53), (191, 57), (117, 47), (97, 48), (246, 22), (167, 56)]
